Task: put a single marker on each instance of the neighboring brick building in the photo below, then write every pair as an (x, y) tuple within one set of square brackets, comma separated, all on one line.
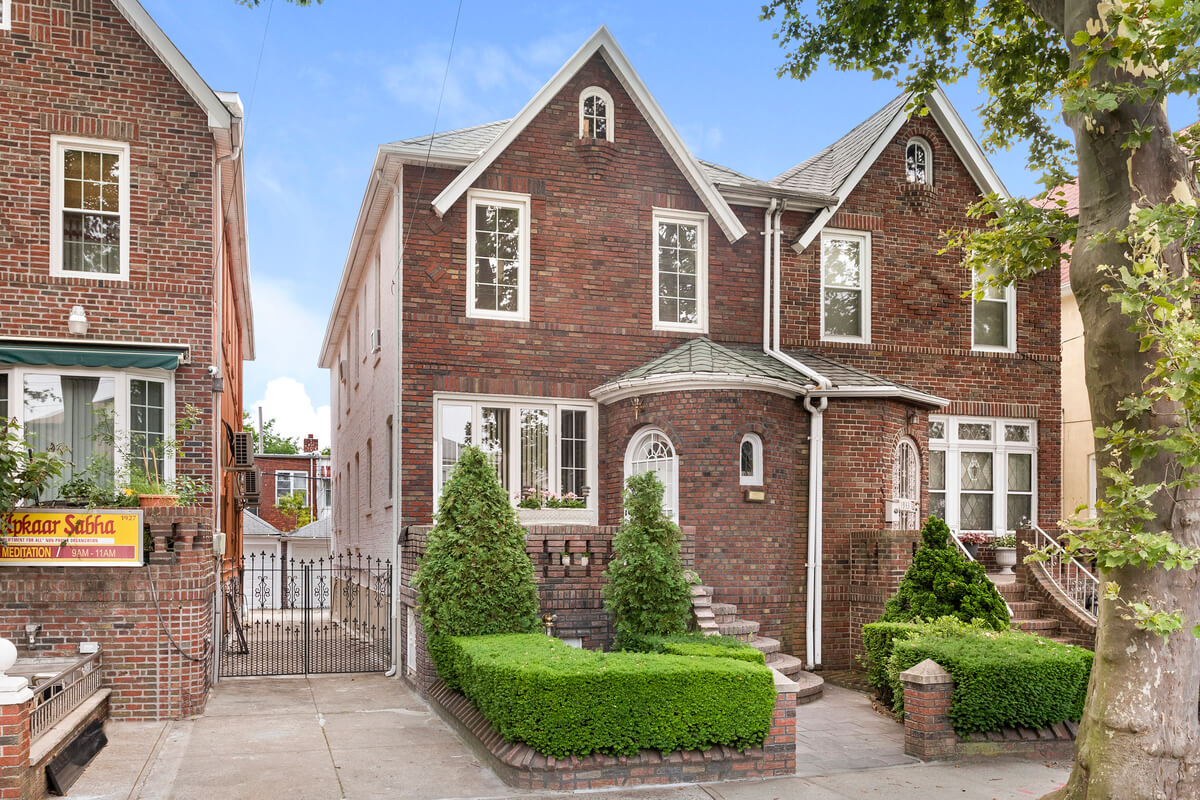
[(794, 357), (307, 473)]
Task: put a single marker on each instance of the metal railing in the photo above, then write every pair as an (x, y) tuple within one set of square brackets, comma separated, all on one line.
[(962, 548), (58, 696), (1077, 583)]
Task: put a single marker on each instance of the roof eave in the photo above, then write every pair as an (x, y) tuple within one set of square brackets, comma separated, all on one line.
[(744, 195), (885, 392), (433, 157), (619, 389)]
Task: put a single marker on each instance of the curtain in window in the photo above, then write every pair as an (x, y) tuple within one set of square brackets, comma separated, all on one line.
[(494, 440), (71, 414), (535, 450)]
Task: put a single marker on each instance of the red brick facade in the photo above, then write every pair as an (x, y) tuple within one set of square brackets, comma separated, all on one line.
[(268, 466), (591, 206)]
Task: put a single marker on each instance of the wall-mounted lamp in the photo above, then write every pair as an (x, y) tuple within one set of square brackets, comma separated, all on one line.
[(637, 407), (77, 322), (913, 416)]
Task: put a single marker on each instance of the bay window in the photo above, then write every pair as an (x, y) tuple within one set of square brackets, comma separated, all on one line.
[(982, 472), (540, 447)]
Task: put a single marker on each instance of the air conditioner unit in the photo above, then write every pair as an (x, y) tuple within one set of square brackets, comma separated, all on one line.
[(376, 340), (243, 451), (251, 486)]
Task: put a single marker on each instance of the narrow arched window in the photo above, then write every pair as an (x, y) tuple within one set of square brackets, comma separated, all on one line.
[(918, 162), (750, 460), (651, 451), (906, 486), (595, 114)]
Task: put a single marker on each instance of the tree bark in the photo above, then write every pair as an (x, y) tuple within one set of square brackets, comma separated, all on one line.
[(1140, 733)]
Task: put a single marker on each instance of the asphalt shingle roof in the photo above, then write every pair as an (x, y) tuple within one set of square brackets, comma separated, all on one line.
[(320, 528), (705, 356), (254, 525), (838, 373), (464, 141), (828, 169)]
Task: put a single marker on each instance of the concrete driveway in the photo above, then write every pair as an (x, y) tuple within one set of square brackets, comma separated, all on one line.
[(359, 737)]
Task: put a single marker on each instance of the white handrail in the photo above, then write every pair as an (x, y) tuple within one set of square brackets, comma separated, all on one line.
[(1078, 585), (962, 548)]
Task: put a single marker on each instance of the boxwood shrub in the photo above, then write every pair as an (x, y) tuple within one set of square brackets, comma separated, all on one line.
[(564, 701), (1003, 679), (878, 639), (695, 644)]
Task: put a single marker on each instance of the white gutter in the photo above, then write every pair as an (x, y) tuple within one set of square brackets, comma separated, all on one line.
[(767, 250)]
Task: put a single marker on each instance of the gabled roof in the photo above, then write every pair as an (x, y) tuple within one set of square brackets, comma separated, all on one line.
[(320, 528), (838, 168), (219, 115), (601, 43), (703, 355), (466, 142), (254, 525)]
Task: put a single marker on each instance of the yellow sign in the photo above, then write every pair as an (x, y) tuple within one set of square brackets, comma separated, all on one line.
[(84, 537)]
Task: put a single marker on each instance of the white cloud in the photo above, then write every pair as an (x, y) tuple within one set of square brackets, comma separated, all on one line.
[(287, 402)]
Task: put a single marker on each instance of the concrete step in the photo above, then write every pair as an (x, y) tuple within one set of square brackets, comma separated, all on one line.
[(698, 591), (788, 665), (765, 643), (810, 687), (724, 609), (743, 629), (1041, 627)]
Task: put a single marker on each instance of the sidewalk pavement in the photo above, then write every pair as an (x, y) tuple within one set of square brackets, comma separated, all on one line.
[(365, 736)]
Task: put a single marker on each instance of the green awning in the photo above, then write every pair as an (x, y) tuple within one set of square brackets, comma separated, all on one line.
[(119, 356)]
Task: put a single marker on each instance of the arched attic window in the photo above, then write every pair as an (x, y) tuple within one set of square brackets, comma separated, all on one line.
[(595, 114), (918, 162)]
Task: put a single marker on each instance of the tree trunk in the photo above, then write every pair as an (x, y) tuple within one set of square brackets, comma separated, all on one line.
[(1140, 732)]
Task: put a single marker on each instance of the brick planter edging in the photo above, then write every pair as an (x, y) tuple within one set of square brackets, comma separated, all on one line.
[(521, 766)]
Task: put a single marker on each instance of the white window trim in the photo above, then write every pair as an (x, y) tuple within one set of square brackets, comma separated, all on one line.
[(865, 268), (635, 442), (292, 476), (121, 411), (555, 405), (58, 144), (5, 15), (687, 218), (610, 117), (923, 143), (1000, 449), (1010, 301), (509, 200), (756, 477)]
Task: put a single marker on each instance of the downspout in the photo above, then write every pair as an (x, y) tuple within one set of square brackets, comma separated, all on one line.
[(397, 398), (768, 249), (771, 345)]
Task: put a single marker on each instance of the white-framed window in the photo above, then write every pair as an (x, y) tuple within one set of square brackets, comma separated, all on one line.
[(750, 460), (651, 451), (94, 416), (291, 481), (918, 162), (983, 472), (845, 286), (680, 262), (537, 445), (89, 208), (497, 255), (906, 486), (994, 320), (595, 114), (5, 15)]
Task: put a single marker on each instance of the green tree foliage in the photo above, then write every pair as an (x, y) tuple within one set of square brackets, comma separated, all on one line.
[(646, 591), (295, 510), (24, 473), (475, 577), (269, 441), (942, 583)]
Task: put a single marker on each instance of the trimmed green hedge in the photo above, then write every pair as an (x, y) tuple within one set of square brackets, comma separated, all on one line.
[(565, 701), (1003, 679), (878, 639), (695, 644)]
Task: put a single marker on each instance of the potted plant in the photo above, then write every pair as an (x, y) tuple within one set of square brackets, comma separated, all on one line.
[(1006, 552), (566, 559), (584, 558), (971, 542)]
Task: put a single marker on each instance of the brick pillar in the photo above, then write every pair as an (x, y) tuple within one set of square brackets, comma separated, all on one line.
[(780, 745), (928, 690), (15, 702)]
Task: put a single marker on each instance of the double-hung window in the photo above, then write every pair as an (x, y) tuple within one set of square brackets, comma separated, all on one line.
[(89, 214), (983, 472), (289, 482), (680, 270), (539, 447), (845, 286), (497, 255), (994, 319)]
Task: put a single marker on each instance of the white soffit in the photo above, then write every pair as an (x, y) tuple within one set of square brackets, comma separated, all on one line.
[(602, 42)]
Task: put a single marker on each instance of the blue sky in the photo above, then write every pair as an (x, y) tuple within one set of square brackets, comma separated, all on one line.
[(337, 80)]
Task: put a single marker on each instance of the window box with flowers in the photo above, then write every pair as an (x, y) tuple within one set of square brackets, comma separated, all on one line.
[(971, 541), (536, 507)]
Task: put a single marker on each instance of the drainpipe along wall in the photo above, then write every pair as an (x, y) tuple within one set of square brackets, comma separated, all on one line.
[(397, 398)]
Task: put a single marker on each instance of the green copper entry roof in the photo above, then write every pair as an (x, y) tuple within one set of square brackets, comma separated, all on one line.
[(90, 354), (703, 355)]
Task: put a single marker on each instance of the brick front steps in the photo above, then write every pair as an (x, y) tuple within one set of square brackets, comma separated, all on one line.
[(713, 618), (521, 766), (1028, 612)]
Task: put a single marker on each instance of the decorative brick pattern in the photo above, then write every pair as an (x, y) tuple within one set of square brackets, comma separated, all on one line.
[(120, 608)]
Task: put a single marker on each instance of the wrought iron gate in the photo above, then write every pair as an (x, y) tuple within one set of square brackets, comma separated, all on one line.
[(303, 616)]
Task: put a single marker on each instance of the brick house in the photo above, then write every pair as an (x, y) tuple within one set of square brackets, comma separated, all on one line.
[(123, 255), (307, 473), (584, 299)]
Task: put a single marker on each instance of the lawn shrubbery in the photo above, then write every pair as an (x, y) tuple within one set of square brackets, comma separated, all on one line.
[(1002, 679), (564, 701), (942, 582), (695, 644)]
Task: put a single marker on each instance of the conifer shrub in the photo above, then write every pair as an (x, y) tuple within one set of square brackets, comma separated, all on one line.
[(941, 582), (475, 577), (645, 589)]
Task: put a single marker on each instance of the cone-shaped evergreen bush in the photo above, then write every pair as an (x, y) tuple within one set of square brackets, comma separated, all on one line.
[(646, 591), (942, 583), (475, 577)]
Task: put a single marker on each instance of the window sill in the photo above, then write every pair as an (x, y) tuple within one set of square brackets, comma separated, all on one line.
[(557, 516)]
